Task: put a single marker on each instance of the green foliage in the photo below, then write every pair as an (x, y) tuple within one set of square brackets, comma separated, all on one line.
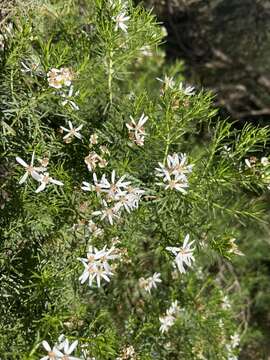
[(44, 234)]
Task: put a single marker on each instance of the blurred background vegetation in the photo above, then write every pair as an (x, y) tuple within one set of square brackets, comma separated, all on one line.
[(225, 46)]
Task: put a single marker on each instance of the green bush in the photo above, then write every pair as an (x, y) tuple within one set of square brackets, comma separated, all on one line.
[(101, 126)]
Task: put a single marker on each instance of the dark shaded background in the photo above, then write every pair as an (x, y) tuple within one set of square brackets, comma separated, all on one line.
[(226, 47)]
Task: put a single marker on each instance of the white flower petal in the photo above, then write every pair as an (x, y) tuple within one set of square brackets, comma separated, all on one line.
[(41, 188), (23, 178), (72, 347), (46, 345), (21, 161)]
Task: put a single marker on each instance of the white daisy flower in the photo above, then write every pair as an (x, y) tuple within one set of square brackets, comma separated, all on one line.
[(67, 76), (53, 353), (54, 78), (45, 179), (136, 130), (150, 283), (128, 199), (171, 316), (183, 255), (109, 213), (226, 303), (174, 309), (187, 90), (120, 21), (61, 351), (32, 67), (102, 256), (176, 165), (179, 183), (68, 350), (71, 132), (30, 169), (96, 187), (175, 172), (116, 186), (137, 127), (235, 340), (234, 248), (168, 82), (92, 272), (166, 322), (96, 265)]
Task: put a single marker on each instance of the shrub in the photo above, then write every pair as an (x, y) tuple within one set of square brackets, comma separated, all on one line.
[(122, 195)]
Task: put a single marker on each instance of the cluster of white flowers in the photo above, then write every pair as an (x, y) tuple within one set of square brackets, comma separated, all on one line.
[(62, 79), (136, 130), (234, 248), (128, 353), (253, 161), (150, 283), (261, 167), (121, 18), (170, 317), (235, 342), (57, 78), (38, 173), (118, 192), (175, 173), (93, 159), (96, 265), (60, 351), (183, 255), (186, 90), (169, 83)]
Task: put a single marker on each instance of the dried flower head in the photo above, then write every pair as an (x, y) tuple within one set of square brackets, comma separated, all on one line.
[(57, 78)]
